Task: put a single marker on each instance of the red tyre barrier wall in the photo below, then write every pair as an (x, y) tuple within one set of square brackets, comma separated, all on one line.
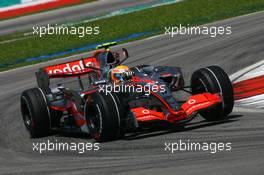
[(36, 8), (249, 88)]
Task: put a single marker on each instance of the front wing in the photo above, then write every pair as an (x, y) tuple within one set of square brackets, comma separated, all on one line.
[(194, 104)]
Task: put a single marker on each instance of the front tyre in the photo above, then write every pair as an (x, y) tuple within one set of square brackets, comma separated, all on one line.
[(213, 79), (35, 112), (103, 116)]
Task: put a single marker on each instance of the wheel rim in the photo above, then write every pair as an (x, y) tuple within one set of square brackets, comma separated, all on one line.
[(94, 119), (26, 113)]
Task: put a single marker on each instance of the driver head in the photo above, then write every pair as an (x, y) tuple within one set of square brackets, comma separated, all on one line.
[(119, 73)]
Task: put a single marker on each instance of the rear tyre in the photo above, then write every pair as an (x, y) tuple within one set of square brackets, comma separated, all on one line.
[(35, 112), (213, 79), (103, 116)]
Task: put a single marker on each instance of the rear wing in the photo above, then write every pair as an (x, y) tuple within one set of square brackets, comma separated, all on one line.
[(69, 69), (72, 69)]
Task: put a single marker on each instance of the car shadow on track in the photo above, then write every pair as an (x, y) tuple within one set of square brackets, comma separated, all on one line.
[(157, 129), (77, 135), (164, 128)]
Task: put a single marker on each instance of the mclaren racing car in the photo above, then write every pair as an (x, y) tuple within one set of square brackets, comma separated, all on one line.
[(112, 99)]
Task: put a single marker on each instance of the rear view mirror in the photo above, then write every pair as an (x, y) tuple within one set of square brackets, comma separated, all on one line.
[(125, 53), (124, 56)]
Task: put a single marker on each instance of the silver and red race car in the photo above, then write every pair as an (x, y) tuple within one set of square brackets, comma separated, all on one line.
[(101, 96)]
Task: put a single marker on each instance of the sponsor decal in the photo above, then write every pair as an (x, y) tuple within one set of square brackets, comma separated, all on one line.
[(192, 101), (72, 67), (197, 107)]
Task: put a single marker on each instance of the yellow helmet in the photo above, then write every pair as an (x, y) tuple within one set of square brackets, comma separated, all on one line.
[(119, 73)]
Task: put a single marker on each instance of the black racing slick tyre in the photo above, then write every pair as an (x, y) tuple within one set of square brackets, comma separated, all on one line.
[(103, 115), (213, 79), (35, 112)]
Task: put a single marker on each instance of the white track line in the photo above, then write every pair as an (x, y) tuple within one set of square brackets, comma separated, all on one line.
[(248, 72), (252, 102)]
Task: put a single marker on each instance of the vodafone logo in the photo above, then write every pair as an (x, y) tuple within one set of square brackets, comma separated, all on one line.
[(71, 67), (145, 111), (191, 101)]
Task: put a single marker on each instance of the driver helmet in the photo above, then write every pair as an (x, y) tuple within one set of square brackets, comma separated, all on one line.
[(120, 73)]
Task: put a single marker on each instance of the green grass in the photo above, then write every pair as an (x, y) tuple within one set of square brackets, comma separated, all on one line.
[(193, 12)]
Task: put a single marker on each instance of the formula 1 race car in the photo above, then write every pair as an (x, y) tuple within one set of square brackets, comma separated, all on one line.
[(112, 99)]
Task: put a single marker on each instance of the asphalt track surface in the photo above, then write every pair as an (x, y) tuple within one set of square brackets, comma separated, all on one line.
[(68, 14), (144, 153)]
